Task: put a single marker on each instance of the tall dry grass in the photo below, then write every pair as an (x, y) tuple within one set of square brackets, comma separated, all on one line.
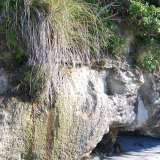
[(57, 34)]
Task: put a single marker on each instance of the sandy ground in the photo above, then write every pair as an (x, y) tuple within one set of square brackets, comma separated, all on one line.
[(135, 148)]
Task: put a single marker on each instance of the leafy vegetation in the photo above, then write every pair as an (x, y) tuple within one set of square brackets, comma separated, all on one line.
[(145, 16), (55, 34), (116, 42), (52, 33), (15, 52), (148, 52), (150, 62), (145, 23), (141, 20)]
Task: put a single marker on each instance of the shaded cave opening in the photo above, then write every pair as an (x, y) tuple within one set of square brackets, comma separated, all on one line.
[(108, 144), (111, 143)]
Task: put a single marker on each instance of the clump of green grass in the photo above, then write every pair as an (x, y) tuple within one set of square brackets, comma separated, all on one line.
[(57, 34), (79, 31)]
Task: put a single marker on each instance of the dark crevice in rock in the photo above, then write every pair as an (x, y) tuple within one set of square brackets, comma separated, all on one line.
[(114, 83), (132, 133), (114, 86), (108, 144)]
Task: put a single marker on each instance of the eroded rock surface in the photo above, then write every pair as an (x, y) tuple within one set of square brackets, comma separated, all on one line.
[(89, 104), (96, 101)]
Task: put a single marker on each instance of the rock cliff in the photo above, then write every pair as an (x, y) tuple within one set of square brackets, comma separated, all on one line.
[(90, 102)]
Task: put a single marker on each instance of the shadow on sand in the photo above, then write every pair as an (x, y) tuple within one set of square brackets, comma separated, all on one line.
[(137, 147)]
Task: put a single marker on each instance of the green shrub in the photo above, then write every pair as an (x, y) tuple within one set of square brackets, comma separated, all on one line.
[(144, 18), (141, 19), (116, 45), (150, 62), (116, 42), (148, 52)]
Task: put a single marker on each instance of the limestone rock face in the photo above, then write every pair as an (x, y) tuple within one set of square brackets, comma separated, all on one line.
[(90, 103), (96, 101), (12, 129), (83, 100)]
